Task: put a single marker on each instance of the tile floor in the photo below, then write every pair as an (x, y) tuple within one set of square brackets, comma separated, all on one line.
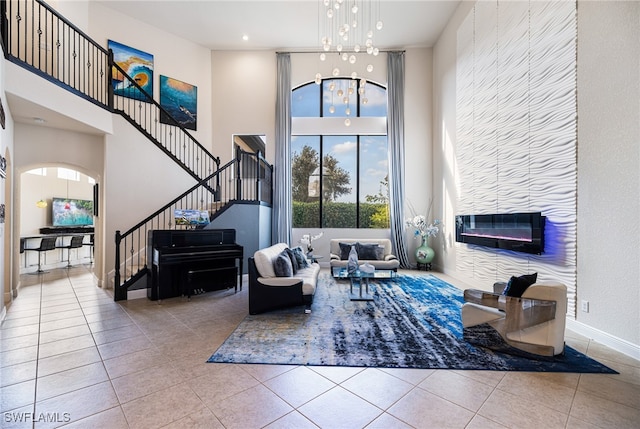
[(72, 356)]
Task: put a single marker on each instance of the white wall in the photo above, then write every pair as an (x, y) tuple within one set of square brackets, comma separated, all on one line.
[(607, 165), (244, 99), (172, 56), (6, 197)]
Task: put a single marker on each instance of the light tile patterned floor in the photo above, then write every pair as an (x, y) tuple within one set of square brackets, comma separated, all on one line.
[(70, 355)]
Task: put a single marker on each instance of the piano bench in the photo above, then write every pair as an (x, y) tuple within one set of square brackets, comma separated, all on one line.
[(210, 279)]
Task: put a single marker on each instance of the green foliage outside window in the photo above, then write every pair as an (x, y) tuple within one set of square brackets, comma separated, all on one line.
[(340, 215)]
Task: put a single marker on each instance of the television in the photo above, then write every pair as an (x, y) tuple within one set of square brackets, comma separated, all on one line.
[(71, 212)]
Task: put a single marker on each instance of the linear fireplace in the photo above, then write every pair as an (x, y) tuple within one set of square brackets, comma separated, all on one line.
[(520, 232)]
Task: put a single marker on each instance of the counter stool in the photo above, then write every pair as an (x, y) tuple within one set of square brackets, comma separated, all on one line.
[(91, 245), (46, 244), (75, 243)]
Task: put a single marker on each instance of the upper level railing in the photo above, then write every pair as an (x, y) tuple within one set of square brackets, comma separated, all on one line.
[(37, 37), (41, 40)]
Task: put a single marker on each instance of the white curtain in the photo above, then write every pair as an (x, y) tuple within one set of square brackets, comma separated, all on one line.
[(282, 217), (395, 135)]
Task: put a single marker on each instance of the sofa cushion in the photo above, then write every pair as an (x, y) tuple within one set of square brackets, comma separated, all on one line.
[(517, 285), (367, 251), (294, 260), (300, 257), (264, 259), (282, 265), (345, 248)]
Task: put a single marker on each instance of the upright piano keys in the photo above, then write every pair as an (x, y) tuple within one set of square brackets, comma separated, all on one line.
[(185, 262)]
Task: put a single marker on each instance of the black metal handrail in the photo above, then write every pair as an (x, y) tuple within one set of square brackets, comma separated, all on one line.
[(245, 178), (38, 38)]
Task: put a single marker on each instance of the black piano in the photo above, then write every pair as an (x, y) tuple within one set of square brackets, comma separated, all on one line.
[(187, 262)]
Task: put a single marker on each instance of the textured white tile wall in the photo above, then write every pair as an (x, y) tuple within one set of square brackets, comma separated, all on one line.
[(516, 129)]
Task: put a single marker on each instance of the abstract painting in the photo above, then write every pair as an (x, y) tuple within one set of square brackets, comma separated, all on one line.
[(180, 100), (137, 65)]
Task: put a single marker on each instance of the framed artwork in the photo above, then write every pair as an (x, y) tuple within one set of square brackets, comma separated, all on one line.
[(138, 65), (180, 100)]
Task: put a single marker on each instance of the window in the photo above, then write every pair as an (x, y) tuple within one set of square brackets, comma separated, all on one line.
[(65, 173), (339, 171), (38, 171)]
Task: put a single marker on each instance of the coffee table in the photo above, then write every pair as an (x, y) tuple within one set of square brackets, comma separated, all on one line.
[(361, 279)]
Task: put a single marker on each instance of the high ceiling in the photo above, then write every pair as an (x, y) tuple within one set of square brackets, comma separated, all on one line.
[(283, 25), (289, 25)]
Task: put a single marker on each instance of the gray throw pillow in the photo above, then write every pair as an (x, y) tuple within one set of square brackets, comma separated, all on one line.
[(282, 265), (300, 257), (367, 252), (294, 261), (345, 248), (379, 253)]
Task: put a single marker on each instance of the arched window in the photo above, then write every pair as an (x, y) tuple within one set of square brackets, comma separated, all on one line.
[(339, 155)]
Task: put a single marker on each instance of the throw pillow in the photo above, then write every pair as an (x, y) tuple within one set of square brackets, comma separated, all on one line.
[(300, 257), (367, 252), (517, 285), (345, 248), (294, 262), (379, 253), (282, 265)]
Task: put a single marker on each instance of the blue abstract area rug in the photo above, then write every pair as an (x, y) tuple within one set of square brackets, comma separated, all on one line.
[(413, 322)]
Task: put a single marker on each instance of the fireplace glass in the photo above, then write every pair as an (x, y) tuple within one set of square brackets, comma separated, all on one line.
[(520, 232)]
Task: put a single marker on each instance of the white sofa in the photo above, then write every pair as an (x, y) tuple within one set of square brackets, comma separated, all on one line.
[(385, 261), (267, 291)]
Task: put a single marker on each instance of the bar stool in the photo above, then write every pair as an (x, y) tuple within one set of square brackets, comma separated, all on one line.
[(75, 243), (91, 245), (46, 244)]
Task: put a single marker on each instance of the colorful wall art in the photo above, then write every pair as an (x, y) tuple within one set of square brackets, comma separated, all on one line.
[(135, 63), (180, 100)]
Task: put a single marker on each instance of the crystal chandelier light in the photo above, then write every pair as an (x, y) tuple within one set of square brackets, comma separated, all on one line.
[(347, 29)]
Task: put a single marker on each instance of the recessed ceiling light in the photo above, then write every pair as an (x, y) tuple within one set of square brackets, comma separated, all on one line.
[(39, 120), (245, 37)]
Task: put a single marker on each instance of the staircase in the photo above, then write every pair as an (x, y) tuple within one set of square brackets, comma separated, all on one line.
[(37, 38)]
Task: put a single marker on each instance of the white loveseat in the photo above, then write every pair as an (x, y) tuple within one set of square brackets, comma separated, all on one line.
[(383, 260), (267, 291)]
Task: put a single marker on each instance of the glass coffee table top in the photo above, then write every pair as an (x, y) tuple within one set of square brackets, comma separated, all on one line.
[(360, 279)]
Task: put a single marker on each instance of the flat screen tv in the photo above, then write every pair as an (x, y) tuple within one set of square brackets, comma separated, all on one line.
[(71, 212)]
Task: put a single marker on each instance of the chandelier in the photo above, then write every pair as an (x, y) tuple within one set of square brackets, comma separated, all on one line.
[(347, 31)]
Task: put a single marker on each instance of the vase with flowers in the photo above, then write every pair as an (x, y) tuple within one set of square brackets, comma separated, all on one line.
[(423, 230), (307, 240)]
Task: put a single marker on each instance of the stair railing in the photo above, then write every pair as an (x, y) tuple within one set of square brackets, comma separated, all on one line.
[(41, 40), (139, 108), (245, 179), (38, 38)]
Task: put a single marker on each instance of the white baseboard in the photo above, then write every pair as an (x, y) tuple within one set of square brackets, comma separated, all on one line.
[(608, 340)]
